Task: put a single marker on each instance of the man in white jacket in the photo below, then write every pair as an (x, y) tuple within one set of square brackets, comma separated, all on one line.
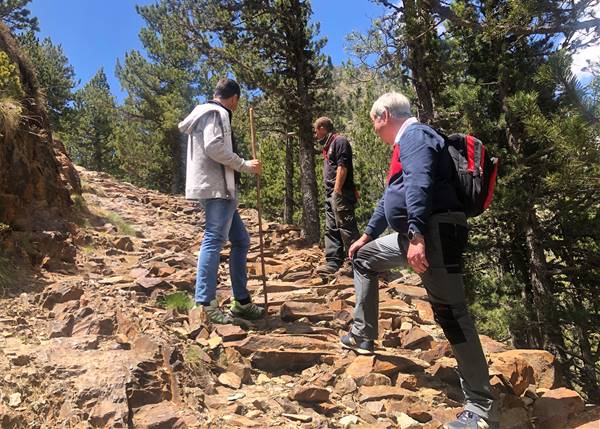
[(213, 167)]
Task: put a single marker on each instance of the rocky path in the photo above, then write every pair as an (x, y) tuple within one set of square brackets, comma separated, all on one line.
[(92, 344)]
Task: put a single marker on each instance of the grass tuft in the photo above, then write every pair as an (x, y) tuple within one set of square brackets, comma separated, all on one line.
[(193, 355), (81, 211), (88, 249), (179, 301), (122, 226), (6, 274), (87, 188)]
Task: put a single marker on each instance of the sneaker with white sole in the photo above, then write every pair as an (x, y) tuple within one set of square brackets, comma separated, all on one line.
[(216, 315), (360, 346), (468, 420)]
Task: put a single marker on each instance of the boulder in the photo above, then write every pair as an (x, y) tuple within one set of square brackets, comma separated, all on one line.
[(360, 367), (417, 338), (230, 332), (376, 393), (445, 370), (230, 379), (555, 406), (290, 311), (111, 414), (513, 369), (392, 363), (542, 364), (310, 393), (164, 415), (59, 293), (425, 312), (124, 243)]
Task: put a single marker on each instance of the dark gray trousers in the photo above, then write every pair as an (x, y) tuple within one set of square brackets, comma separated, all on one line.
[(445, 242), (340, 228)]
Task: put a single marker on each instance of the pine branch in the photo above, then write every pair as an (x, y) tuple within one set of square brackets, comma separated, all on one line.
[(558, 27)]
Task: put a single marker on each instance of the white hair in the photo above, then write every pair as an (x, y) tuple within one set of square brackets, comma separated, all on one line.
[(395, 103)]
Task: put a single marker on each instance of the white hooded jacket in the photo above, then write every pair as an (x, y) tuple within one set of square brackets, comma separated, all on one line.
[(210, 156)]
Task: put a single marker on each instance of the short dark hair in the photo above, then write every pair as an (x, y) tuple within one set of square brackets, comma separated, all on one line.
[(324, 122), (227, 88)]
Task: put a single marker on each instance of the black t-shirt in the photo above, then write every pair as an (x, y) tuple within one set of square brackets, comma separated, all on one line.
[(338, 152)]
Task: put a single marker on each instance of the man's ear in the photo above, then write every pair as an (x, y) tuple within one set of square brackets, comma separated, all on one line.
[(385, 115)]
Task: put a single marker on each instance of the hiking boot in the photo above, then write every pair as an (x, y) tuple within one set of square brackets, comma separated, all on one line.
[(468, 420), (216, 315), (248, 311), (327, 269), (346, 270), (360, 346)]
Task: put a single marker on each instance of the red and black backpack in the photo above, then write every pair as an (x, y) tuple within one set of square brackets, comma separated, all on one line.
[(475, 170)]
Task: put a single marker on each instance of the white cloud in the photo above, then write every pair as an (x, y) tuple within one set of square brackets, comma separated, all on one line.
[(580, 60), (590, 53)]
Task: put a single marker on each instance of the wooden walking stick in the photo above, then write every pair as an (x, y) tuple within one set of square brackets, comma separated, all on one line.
[(258, 209)]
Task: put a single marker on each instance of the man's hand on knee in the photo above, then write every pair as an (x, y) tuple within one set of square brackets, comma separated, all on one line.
[(355, 247), (416, 256)]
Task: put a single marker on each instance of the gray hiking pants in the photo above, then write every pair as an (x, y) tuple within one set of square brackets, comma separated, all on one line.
[(340, 228), (445, 242)]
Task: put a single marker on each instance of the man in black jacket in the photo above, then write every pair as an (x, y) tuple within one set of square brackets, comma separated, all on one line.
[(340, 196), (421, 206)]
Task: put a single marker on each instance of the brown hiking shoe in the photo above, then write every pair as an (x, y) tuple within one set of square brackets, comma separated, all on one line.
[(327, 269), (346, 269)]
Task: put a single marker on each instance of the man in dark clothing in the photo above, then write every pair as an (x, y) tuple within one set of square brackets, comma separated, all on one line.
[(421, 205), (340, 196)]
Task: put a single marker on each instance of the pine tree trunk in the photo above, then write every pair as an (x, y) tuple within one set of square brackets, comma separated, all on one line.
[(308, 184), (174, 137), (304, 104), (288, 210), (589, 371), (417, 31), (543, 292), (98, 162), (584, 330), (535, 289), (537, 277)]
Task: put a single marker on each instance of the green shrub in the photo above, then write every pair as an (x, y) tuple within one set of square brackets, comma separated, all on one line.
[(11, 92), (10, 83)]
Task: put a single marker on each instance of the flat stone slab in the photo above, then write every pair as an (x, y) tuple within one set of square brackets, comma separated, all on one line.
[(376, 393), (291, 311)]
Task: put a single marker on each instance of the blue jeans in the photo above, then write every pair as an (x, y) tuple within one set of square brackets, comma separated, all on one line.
[(222, 222)]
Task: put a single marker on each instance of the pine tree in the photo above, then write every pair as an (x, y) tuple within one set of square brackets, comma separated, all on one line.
[(506, 79), (91, 139), (161, 89), (270, 46), (16, 16), (55, 75)]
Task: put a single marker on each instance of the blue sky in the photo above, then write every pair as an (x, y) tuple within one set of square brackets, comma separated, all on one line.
[(94, 33)]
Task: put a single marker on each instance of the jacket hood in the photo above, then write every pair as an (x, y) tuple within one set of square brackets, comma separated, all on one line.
[(188, 125)]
